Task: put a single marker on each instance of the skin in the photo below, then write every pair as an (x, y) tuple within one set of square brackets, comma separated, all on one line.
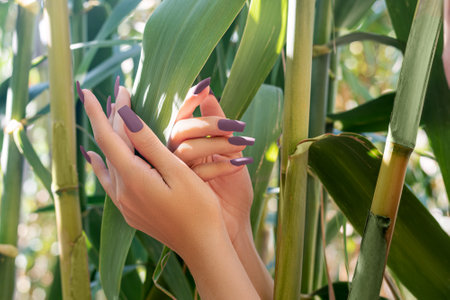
[(200, 180)]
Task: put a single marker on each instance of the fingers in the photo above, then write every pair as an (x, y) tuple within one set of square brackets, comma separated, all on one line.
[(100, 171), (195, 97), (114, 148), (193, 149), (211, 107), (202, 127), (122, 99), (148, 144), (216, 169)]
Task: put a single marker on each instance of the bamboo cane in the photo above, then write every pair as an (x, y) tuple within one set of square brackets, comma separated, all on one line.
[(291, 210), (73, 254), (12, 160)]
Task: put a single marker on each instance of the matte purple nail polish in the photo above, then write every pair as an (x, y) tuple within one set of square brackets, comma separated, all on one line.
[(231, 125), (116, 87), (241, 161), (80, 92), (131, 119), (202, 85), (108, 107), (241, 140), (86, 156)]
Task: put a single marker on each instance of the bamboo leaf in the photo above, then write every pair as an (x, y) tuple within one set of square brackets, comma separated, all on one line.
[(349, 13), (263, 119), (348, 167), (261, 44), (116, 237), (178, 39), (340, 290)]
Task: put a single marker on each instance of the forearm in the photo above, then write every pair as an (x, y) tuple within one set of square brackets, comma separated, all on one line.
[(218, 272), (254, 266)]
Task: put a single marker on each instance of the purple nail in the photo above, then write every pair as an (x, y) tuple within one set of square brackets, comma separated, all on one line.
[(241, 140), (108, 106), (116, 87), (202, 85), (241, 161), (131, 119), (231, 125), (86, 156), (80, 92)]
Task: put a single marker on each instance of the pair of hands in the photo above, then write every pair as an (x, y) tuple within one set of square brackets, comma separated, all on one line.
[(195, 197)]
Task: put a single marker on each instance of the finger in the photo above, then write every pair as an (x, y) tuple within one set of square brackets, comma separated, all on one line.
[(148, 144), (195, 96), (202, 127), (211, 107), (123, 99), (114, 148), (194, 149), (102, 173), (216, 169)]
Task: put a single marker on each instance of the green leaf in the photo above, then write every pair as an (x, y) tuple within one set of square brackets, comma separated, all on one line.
[(178, 39), (402, 14), (116, 237), (340, 291), (261, 44), (263, 118), (371, 116), (348, 166), (347, 14), (367, 36)]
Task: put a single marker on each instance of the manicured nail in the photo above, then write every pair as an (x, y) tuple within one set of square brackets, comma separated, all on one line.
[(108, 106), (130, 118), (231, 125), (202, 85), (80, 92), (241, 140), (86, 156), (241, 161), (116, 86)]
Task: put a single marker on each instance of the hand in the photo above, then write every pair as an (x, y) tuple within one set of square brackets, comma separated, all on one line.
[(207, 145), (169, 201)]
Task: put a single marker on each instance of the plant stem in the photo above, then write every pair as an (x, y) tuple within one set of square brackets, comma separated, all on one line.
[(11, 159), (291, 210), (73, 253)]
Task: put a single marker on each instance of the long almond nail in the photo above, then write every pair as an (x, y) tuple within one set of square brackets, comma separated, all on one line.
[(131, 119), (241, 141), (241, 161), (108, 106), (80, 92), (86, 156), (116, 87), (202, 85), (231, 125)]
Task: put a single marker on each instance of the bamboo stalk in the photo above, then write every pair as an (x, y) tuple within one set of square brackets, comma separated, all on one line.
[(11, 159), (73, 254), (291, 210), (402, 134)]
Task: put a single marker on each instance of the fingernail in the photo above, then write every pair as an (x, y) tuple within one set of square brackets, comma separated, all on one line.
[(202, 85), (241, 161), (130, 118), (116, 86), (241, 140), (80, 92), (108, 106), (86, 156), (231, 125)]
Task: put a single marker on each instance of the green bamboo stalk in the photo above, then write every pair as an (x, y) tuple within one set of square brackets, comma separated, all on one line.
[(73, 254), (291, 210), (401, 140), (12, 160), (319, 98)]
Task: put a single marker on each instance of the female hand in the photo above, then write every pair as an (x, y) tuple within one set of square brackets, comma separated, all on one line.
[(167, 201)]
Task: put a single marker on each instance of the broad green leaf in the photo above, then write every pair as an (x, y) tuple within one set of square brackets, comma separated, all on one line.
[(371, 116), (263, 118), (116, 237), (261, 44), (178, 39), (348, 14), (348, 166), (402, 14)]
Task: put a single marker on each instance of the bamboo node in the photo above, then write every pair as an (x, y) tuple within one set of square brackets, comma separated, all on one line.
[(58, 190), (9, 250), (12, 126)]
